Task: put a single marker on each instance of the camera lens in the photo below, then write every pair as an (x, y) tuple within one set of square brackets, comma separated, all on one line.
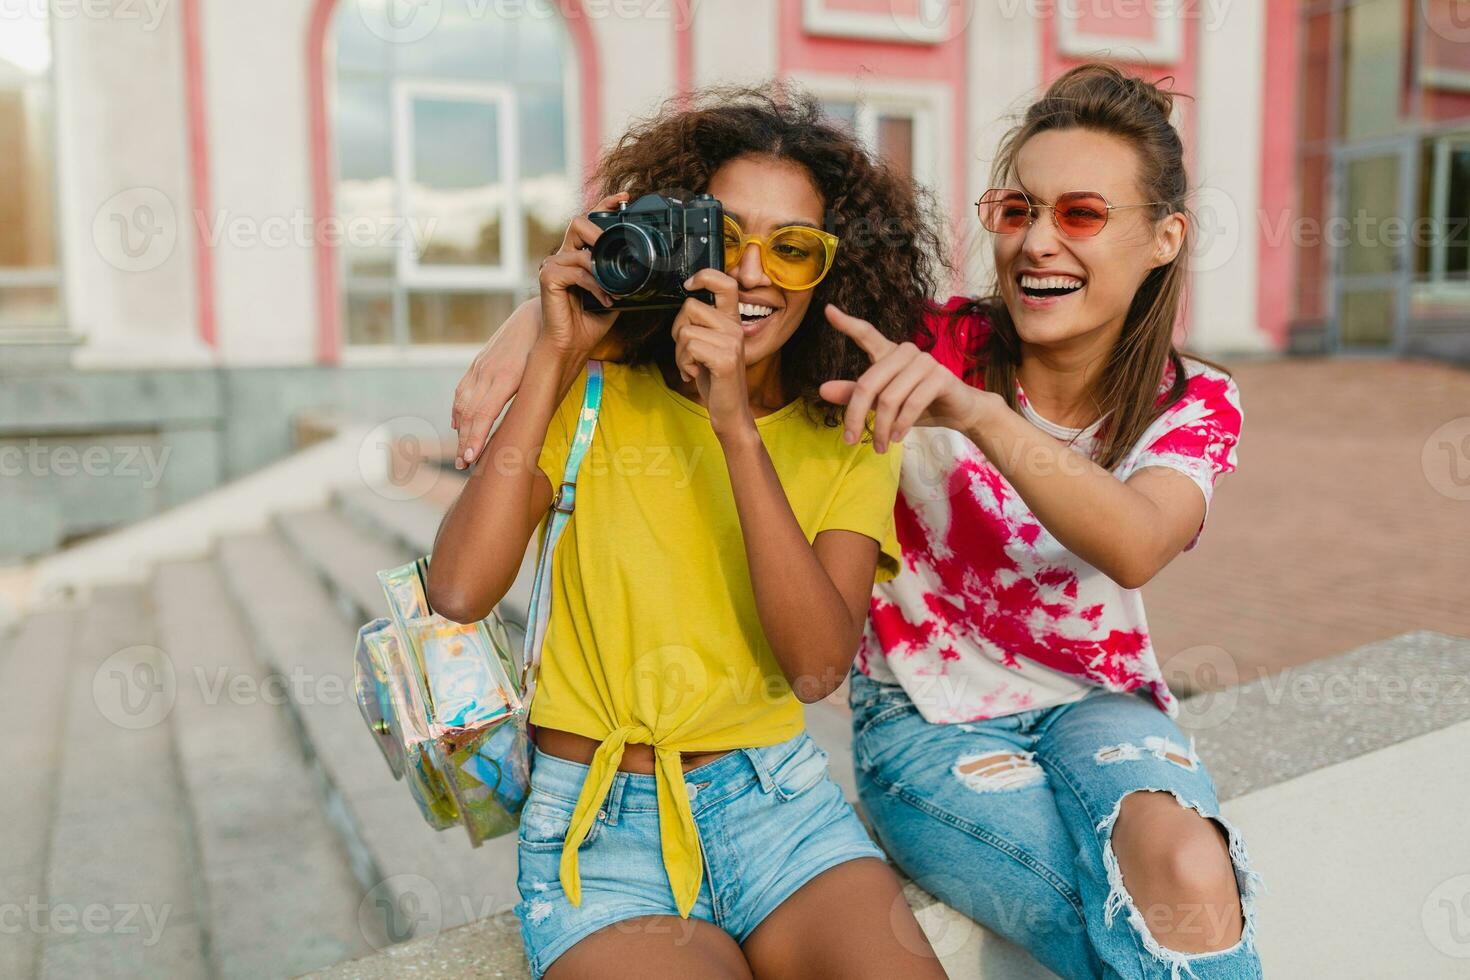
[(624, 260)]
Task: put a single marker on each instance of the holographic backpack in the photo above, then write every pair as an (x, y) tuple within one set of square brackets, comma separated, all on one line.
[(443, 700)]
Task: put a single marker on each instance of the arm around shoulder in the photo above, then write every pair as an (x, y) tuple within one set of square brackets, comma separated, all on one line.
[(484, 536)]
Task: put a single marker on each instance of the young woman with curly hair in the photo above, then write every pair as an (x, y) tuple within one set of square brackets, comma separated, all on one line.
[(716, 573), (1014, 740)]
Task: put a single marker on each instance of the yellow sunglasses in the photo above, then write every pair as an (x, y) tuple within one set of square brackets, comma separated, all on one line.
[(795, 257)]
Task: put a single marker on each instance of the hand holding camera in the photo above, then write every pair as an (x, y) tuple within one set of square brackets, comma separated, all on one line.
[(709, 349), (568, 325)]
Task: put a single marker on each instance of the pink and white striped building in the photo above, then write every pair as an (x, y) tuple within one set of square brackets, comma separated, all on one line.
[(279, 192)]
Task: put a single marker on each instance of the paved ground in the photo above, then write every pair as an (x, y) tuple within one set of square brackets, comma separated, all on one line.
[(1331, 534)]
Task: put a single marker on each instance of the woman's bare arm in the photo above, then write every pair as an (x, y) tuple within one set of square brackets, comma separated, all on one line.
[(811, 597), (495, 375), (483, 538), (1127, 530)]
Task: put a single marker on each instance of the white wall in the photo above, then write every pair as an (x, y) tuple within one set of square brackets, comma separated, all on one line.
[(735, 43), (636, 55), (1004, 59), (1228, 181), (260, 169), (123, 169)]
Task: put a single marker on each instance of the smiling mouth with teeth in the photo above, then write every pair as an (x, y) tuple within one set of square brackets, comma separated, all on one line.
[(751, 312), (1042, 287)]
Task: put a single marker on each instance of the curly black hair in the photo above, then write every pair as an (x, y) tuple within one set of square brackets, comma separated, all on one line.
[(890, 255)]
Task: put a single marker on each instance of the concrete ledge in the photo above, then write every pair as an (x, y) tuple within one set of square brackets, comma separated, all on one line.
[(489, 947), (1366, 863), (189, 530), (1310, 717), (1313, 726)]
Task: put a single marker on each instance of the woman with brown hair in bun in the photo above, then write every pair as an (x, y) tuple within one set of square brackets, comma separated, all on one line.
[(1014, 739)]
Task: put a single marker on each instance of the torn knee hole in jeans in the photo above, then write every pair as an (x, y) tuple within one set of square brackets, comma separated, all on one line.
[(991, 772), (1163, 749), (1247, 882)]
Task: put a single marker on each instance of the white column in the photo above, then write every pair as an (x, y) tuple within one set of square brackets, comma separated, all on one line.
[(257, 115), (123, 187), (735, 43), (1004, 57), (1227, 177), (636, 55)]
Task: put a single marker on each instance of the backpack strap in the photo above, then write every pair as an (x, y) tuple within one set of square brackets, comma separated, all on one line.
[(538, 616)]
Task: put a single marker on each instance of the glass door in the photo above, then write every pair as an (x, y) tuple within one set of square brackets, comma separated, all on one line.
[(1369, 237)]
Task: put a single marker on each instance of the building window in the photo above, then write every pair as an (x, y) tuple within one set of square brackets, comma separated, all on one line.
[(1385, 97), (30, 281), (1444, 253), (454, 176), (889, 131)]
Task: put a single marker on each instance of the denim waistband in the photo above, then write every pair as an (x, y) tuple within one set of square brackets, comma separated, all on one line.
[(709, 784), (863, 689)]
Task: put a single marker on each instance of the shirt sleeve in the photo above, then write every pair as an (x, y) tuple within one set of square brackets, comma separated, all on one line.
[(864, 504), (1199, 436), (554, 451), (952, 336)]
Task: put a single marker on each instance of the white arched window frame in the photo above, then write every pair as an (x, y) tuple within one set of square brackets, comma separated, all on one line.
[(510, 272), (398, 294)]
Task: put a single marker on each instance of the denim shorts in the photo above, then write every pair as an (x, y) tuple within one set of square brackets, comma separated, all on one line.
[(769, 819)]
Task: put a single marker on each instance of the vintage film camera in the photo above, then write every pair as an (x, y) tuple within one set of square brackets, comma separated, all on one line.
[(650, 247)]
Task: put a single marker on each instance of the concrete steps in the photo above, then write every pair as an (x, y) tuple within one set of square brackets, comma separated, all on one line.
[(120, 889), (279, 895), (345, 559), (417, 881), (285, 844), (412, 525), (159, 817), (34, 665)]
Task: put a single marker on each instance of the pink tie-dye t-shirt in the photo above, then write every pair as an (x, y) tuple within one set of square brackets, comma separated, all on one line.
[(991, 614)]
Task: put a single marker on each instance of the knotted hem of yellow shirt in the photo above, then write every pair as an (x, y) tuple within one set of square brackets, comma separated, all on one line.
[(683, 857)]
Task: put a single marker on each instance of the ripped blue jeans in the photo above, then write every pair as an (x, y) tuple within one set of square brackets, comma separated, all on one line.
[(1009, 822)]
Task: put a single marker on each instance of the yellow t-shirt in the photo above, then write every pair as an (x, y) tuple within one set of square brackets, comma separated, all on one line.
[(654, 635)]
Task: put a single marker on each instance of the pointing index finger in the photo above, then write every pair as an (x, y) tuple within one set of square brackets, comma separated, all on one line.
[(873, 343)]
